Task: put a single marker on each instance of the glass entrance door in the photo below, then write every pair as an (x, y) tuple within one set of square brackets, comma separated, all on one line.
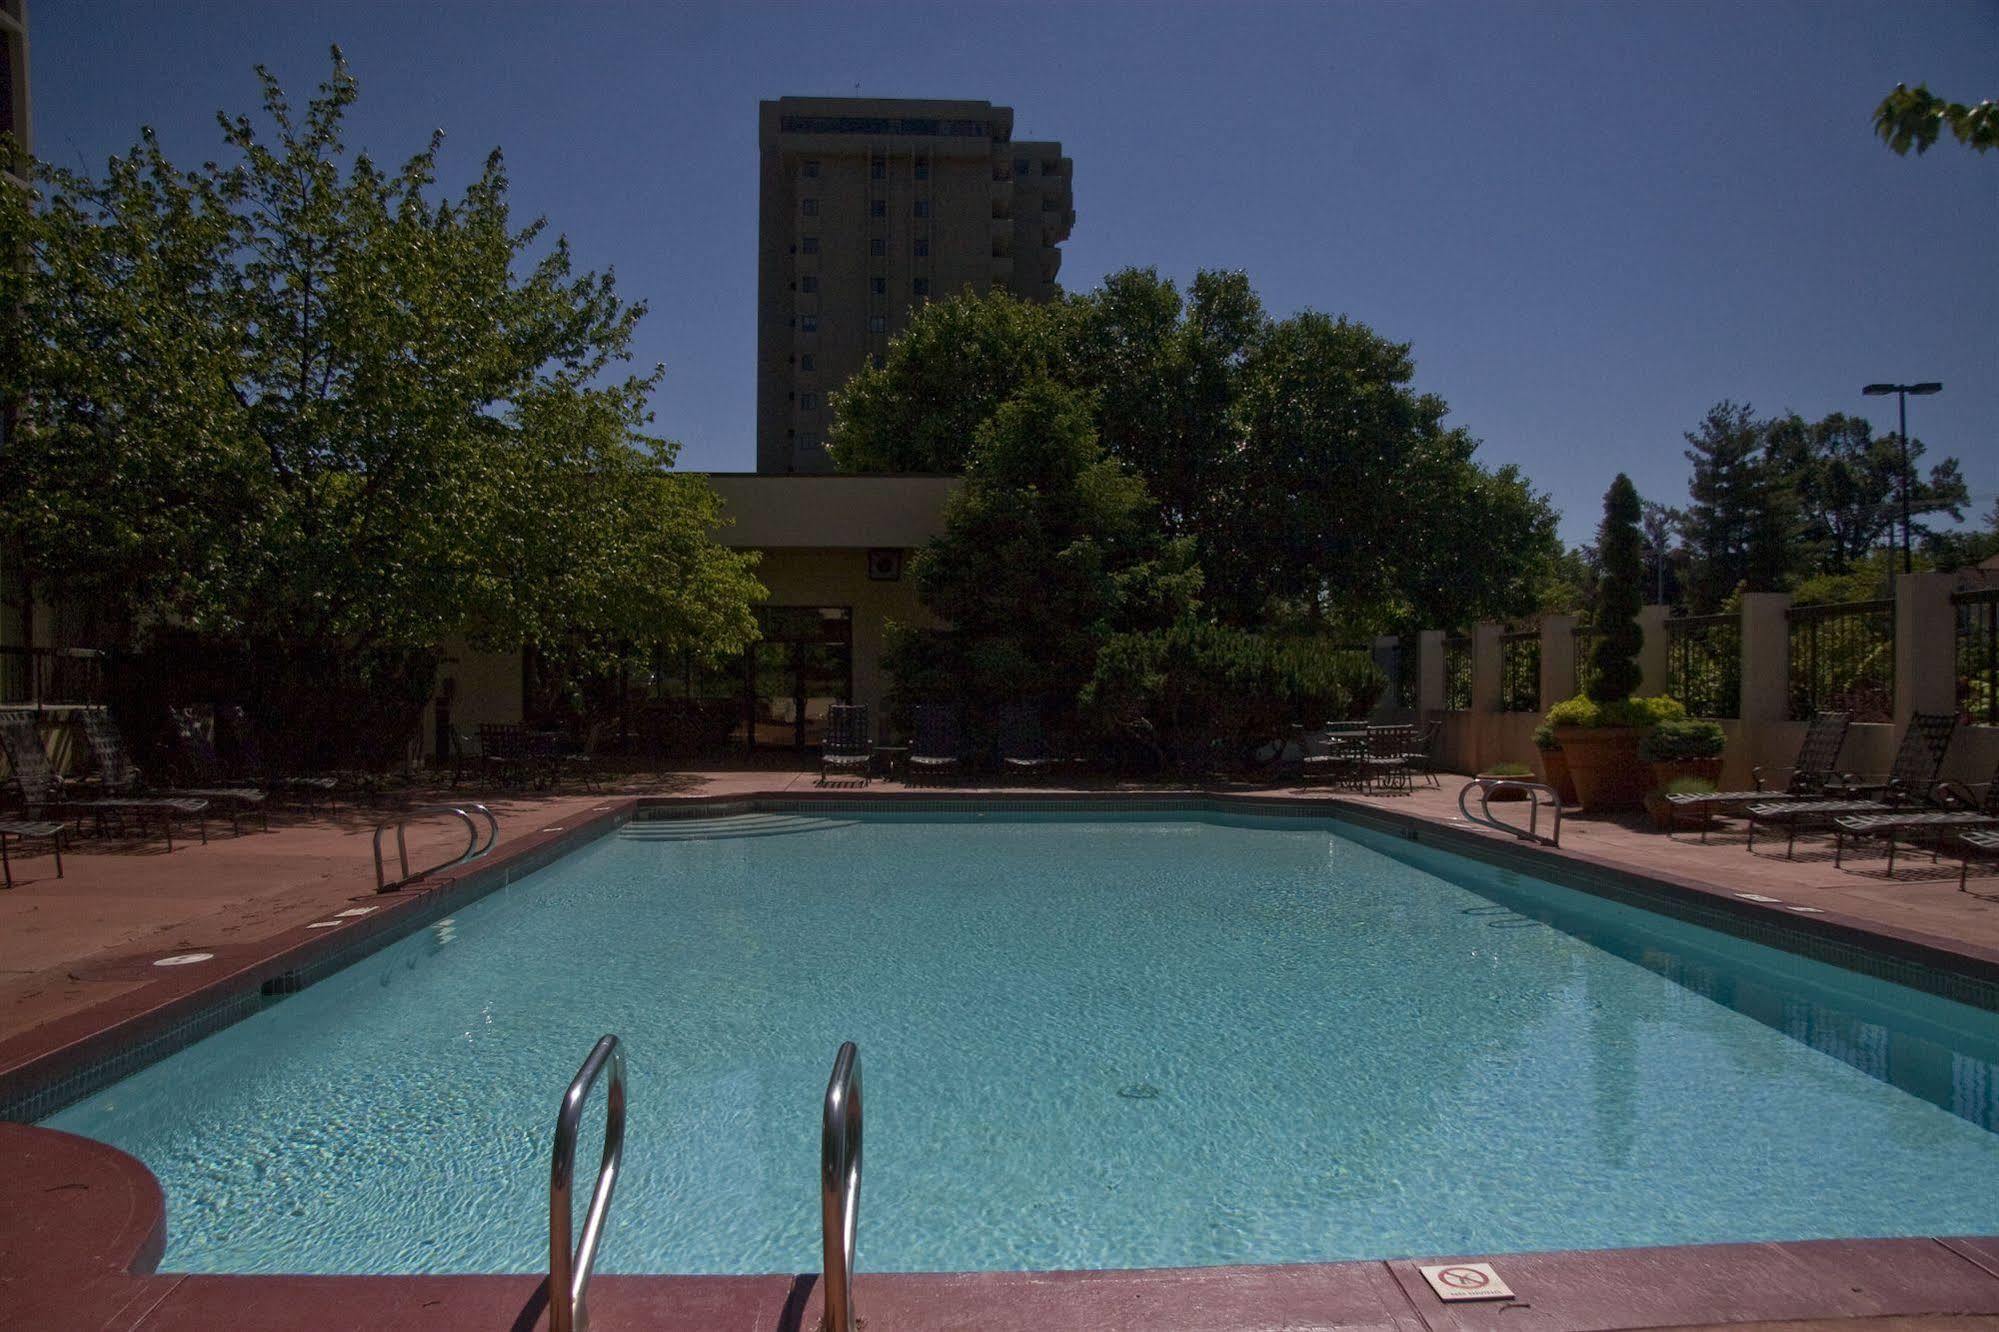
[(802, 666)]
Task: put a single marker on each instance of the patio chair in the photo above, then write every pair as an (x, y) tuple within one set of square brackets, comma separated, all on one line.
[(1023, 747), (849, 747), (1337, 753), (465, 753), (1422, 755), (934, 749), (1983, 842), (1811, 774), (1911, 782), (43, 792), (516, 755), (1387, 762), (50, 830), (117, 775), (1964, 814), (197, 752), (252, 764)]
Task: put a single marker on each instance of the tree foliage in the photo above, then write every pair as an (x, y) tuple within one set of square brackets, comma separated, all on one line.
[(1741, 517), (1916, 118), (1847, 485), (1316, 484), (1620, 547), (301, 402)]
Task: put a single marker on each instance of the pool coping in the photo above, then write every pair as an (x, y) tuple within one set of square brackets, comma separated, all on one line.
[(109, 1232)]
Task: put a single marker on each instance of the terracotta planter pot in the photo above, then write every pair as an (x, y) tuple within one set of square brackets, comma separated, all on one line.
[(1497, 797), (1664, 775), (1604, 763), (1555, 772)]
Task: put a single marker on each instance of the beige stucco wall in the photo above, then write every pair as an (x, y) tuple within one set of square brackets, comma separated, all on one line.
[(831, 512), (838, 577), (488, 690)]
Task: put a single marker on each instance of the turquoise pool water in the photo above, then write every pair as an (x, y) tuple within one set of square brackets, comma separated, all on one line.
[(1102, 1041)]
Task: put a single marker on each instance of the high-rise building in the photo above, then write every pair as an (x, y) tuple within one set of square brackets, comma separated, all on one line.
[(14, 117), (869, 207)]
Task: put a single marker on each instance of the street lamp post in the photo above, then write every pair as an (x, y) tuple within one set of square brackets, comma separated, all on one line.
[(1902, 392)]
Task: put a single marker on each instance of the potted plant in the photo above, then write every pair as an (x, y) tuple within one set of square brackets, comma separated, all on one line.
[(1599, 731), (1502, 772), (1554, 765), (1680, 751)]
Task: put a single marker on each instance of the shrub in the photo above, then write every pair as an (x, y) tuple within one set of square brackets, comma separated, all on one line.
[(1673, 741), (1690, 786), (1544, 738), (1583, 710), (1506, 770), (1619, 595)]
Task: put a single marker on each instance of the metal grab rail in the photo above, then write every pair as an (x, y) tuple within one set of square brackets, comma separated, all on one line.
[(569, 1272), (1485, 786), (472, 848), (840, 1185)]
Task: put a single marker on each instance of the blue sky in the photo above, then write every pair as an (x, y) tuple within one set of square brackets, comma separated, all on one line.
[(1592, 221)]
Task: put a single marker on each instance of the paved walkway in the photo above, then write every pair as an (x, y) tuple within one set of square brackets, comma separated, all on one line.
[(67, 944)]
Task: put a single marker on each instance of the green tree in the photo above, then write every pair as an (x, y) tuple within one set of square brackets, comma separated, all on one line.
[(1619, 597), (1048, 549), (1740, 524), (300, 405), (1916, 118), (1848, 485)]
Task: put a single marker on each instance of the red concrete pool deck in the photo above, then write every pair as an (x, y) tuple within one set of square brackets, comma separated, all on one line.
[(81, 1225)]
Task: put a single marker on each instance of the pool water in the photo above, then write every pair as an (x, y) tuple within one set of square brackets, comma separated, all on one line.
[(1091, 1041)]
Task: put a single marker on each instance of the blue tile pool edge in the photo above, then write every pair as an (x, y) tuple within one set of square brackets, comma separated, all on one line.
[(44, 1084)]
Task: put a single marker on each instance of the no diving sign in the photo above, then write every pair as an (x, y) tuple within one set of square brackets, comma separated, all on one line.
[(1466, 1281)]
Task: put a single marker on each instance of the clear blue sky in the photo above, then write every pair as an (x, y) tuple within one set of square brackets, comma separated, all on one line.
[(1591, 220)]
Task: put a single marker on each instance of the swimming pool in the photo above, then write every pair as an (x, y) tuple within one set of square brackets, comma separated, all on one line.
[(1095, 1040)]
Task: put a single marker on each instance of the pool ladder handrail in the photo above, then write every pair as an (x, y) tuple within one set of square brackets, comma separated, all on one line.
[(1485, 786), (840, 1185), (569, 1270), (473, 850)]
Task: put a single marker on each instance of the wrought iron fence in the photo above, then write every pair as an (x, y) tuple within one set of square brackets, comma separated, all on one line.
[(1586, 639), (1457, 674), (1404, 675), (1977, 614), (1704, 663), (1520, 670), (1843, 659), (36, 677)]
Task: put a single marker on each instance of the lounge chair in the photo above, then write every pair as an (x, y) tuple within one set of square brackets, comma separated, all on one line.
[(254, 766), (1911, 783), (1023, 748), (465, 753), (50, 830), (1387, 762), (1811, 774), (43, 792), (849, 746), (934, 750), (1964, 814), (1336, 753), (197, 751), (1422, 755), (1977, 841)]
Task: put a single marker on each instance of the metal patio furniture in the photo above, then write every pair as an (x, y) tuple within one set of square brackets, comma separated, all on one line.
[(1984, 842), (1422, 755), (43, 791), (1337, 752), (1963, 814), (1023, 746), (934, 750), (49, 830), (849, 747), (253, 766), (197, 753), (1811, 774), (1911, 782), (1387, 762)]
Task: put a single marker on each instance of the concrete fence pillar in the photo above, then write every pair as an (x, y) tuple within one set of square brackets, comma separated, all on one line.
[(1558, 659), (1485, 666), (1766, 657), (1652, 674), (1391, 700), (1925, 645), (1429, 672)]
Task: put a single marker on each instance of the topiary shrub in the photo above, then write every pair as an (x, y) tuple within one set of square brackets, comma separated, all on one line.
[(1544, 737), (1643, 713), (1619, 595)]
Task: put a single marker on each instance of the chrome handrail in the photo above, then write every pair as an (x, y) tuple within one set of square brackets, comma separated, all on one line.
[(569, 1272), (473, 850), (840, 1185), (1535, 790)]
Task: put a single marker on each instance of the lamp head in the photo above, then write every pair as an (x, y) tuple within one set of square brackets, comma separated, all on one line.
[(1925, 389)]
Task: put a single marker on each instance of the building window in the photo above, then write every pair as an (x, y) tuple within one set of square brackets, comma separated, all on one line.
[(877, 208), (1051, 167), (805, 362), (879, 286), (811, 168), (809, 283), (810, 245), (808, 402), (923, 248), (923, 168), (808, 323), (1019, 166), (923, 208), (878, 168), (920, 287), (1049, 203), (878, 247), (810, 207), (877, 324)]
